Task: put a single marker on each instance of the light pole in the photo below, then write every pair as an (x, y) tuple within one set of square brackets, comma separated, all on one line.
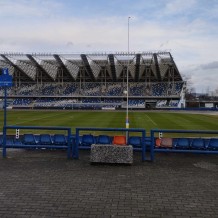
[(127, 83)]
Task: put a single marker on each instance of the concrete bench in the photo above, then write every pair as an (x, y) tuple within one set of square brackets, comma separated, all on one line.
[(103, 153)]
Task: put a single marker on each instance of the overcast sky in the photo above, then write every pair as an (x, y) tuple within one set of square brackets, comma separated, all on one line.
[(186, 28)]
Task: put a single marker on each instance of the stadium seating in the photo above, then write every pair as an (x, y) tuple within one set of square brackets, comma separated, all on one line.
[(164, 143), (48, 89), (87, 140), (45, 139), (91, 89), (190, 145), (114, 89), (137, 89), (70, 89), (29, 139), (198, 143), (22, 101), (91, 100), (161, 103), (159, 89), (136, 103), (213, 144), (103, 139), (25, 89), (17, 142), (135, 141), (119, 140), (173, 103), (59, 139), (56, 92), (182, 143)]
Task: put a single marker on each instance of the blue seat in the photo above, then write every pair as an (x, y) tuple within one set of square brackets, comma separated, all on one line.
[(29, 139), (135, 141), (198, 143), (60, 139), (9, 141), (87, 140), (45, 139), (103, 139), (17, 142), (213, 144), (182, 143)]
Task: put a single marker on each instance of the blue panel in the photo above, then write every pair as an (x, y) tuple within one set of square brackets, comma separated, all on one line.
[(183, 143), (5, 71), (5, 78), (45, 139), (103, 139), (87, 140), (198, 143), (135, 141), (29, 139), (59, 139), (213, 144)]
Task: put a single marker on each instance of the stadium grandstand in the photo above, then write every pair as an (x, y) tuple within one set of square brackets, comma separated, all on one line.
[(93, 81)]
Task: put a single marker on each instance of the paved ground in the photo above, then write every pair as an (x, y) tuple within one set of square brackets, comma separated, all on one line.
[(45, 184)]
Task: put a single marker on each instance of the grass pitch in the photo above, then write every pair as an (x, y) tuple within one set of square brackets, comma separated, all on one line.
[(115, 119)]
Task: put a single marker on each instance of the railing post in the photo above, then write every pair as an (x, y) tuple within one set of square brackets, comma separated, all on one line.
[(76, 145), (69, 147), (152, 145), (143, 146), (4, 153)]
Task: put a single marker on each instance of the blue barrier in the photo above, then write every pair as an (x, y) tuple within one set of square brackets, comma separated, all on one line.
[(43, 140), (179, 144), (142, 131), (188, 145)]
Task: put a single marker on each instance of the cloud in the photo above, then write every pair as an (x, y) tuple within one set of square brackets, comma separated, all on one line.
[(178, 6), (212, 65), (26, 8), (186, 28), (204, 79)]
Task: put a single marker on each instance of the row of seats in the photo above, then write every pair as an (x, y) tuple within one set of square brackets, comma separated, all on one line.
[(136, 142), (86, 140), (96, 89), (187, 143), (60, 139), (84, 103), (42, 139), (165, 103)]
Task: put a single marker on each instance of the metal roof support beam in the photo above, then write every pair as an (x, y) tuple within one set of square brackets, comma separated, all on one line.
[(14, 65), (61, 64), (112, 66), (137, 67), (157, 68), (174, 65), (87, 66), (38, 65)]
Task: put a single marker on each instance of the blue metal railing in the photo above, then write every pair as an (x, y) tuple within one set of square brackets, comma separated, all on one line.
[(6, 145), (178, 150), (79, 129), (73, 148)]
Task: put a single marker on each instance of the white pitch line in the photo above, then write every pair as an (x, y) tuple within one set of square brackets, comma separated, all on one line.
[(151, 120)]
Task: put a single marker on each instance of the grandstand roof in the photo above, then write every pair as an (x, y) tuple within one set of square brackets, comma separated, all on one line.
[(157, 66)]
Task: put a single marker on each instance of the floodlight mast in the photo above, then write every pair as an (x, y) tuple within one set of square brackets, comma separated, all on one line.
[(127, 83)]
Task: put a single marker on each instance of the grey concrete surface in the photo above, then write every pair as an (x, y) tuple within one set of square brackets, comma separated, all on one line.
[(45, 184)]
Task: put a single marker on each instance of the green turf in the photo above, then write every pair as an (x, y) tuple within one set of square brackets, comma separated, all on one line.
[(146, 120)]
